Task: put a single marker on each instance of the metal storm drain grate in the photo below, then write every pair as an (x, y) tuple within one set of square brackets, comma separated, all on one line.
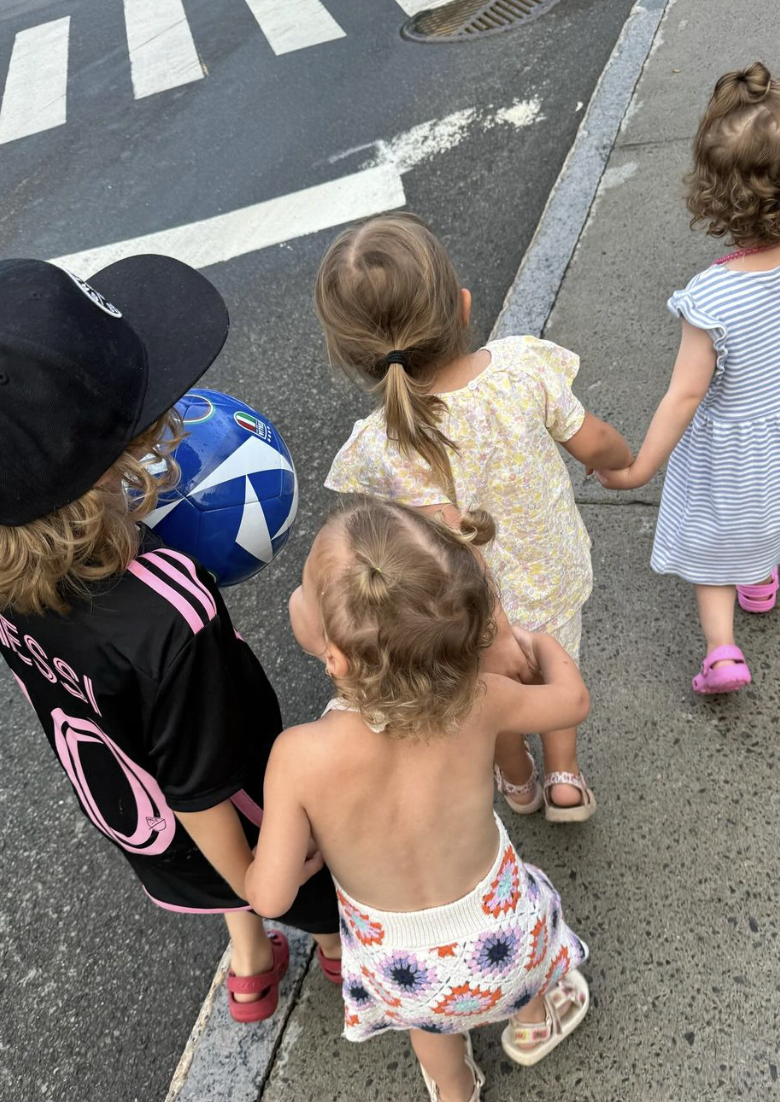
[(465, 20)]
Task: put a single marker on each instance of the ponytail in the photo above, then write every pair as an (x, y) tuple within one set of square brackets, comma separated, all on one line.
[(389, 283), (412, 418), (372, 582)]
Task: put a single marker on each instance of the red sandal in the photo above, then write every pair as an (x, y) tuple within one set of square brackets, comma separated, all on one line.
[(331, 966), (264, 984)]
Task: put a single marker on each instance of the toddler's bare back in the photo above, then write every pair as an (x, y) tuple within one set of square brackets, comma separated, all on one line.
[(403, 825)]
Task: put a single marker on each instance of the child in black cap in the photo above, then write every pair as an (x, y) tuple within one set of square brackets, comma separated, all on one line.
[(162, 718)]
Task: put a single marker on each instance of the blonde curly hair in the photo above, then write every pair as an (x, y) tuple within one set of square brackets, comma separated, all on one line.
[(735, 184), (48, 563), (412, 609)]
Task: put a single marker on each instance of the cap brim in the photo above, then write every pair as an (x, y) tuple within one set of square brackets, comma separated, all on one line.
[(181, 318)]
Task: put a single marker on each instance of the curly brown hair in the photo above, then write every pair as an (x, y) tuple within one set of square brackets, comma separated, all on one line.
[(412, 608), (735, 184), (46, 564)]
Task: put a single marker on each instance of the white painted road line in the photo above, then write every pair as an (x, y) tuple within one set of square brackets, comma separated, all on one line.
[(294, 24), (214, 240), (162, 50), (412, 7), (36, 86)]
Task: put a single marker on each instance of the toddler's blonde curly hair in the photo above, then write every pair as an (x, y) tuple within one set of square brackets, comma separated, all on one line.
[(412, 610)]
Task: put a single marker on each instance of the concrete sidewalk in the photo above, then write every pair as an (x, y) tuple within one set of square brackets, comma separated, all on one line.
[(673, 884)]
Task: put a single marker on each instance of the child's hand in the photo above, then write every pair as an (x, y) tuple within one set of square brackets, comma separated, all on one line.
[(504, 656), (626, 479), (525, 640), (312, 865)]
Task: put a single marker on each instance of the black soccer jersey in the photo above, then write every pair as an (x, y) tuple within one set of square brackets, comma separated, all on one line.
[(153, 704)]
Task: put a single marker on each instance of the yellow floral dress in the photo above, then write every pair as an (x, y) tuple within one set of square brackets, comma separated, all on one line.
[(505, 423)]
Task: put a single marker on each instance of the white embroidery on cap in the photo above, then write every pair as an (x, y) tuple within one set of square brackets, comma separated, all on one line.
[(94, 296)]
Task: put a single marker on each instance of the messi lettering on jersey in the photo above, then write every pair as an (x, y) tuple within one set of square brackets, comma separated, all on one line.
[(55, 670)]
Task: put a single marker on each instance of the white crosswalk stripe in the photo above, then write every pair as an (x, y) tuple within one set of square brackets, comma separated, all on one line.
[(294, 24), (162, 53), (35, 91), (162, 50)]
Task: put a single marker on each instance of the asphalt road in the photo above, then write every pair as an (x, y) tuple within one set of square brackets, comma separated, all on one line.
[(100, 989)]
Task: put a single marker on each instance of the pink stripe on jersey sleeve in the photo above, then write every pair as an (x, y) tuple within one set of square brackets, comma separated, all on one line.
[(247, 806), (180, 603), (191, 583)]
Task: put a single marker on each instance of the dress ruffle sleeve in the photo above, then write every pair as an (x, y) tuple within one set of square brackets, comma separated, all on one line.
[(555, 369), (683, 304), (370, 464)]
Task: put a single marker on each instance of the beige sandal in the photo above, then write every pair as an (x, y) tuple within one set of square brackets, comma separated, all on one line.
[(555, 813), (479, 1076), (532, 785), (565, 1005)]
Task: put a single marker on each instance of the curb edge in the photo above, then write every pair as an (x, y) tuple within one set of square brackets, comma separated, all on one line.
[(531, 297)]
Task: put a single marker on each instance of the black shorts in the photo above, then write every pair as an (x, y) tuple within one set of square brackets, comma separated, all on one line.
[(188, 884)]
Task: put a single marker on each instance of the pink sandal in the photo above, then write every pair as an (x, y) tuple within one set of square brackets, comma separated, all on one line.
[(759, 598), (264, 984), (331, 966), (726, 679)]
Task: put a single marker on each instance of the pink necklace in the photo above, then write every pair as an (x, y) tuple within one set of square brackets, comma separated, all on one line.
[(745, 252)]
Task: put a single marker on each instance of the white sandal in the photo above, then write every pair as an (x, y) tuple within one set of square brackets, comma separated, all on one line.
[(532, 785), (479, 1076), (565, 1005), (559, 813)]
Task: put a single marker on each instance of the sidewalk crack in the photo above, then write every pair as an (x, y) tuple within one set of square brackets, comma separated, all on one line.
[(293, 1004), (688, 138), (617, 504)]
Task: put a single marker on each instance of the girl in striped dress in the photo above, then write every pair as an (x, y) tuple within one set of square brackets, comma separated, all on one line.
[(719, 422)]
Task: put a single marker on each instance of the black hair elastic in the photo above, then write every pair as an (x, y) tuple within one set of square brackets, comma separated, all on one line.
[(397, 357)]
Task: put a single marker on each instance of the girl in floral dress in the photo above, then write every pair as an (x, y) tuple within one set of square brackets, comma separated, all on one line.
[(454, 429), (443, 926)]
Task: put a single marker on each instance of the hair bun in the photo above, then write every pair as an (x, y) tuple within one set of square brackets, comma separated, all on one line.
[(477, 527), (742, 87)]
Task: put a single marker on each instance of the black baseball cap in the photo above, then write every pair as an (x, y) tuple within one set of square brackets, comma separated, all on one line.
[(85, 366)]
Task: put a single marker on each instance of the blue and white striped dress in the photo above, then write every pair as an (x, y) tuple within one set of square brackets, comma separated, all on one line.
[(719, 521)]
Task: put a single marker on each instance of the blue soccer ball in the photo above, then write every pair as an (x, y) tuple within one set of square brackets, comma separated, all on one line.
[(235, 505)]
